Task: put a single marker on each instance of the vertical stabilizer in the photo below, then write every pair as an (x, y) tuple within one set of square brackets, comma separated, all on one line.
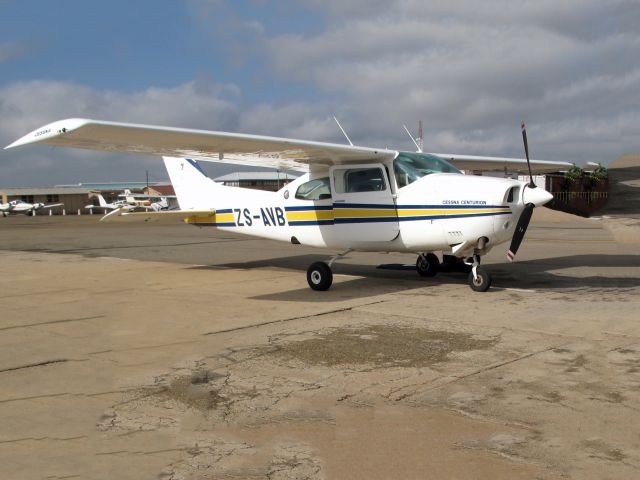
[(101, 200), (194, 189)]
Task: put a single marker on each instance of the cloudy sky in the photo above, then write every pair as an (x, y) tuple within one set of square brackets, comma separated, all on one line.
[(569, 68)]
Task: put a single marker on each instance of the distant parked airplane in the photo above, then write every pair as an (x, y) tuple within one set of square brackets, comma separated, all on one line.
[(18, 206), (103, 205), (132, 202)]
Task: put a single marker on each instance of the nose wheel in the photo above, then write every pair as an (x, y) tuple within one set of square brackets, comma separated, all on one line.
[(479, 279)]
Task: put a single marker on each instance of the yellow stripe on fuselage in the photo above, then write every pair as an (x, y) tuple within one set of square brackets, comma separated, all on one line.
[(364, 212), (213, 218), (309, 215)]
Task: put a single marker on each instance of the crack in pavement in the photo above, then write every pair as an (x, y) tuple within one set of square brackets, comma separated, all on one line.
[(283, 320), (32, 365), (437, 383), (63, 394), (153, 452), (143, 347), (40, 439), (51, 322)]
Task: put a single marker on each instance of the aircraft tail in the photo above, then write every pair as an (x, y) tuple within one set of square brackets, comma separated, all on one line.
[(194, 189), (101, 201)]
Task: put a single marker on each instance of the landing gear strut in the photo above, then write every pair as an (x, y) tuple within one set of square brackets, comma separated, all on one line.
[(479, 279), (319, 274), (427, 265)]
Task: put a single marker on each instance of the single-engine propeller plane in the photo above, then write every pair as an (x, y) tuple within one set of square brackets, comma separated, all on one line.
[(351, 198)]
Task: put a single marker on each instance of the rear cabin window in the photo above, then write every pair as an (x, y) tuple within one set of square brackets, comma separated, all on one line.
[(355, 180), (317, 189)]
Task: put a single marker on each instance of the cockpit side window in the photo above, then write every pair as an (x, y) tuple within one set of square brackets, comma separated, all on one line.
[(409, 167), (355, 180), (316, 189)]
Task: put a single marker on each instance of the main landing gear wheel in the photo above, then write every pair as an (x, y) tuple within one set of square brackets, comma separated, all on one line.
[(481, 282), (319, 276), (427, 265)]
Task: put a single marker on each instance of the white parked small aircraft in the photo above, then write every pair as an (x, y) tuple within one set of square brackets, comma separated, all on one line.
[(132, 201), (103, 205), (145, 201), (352, 198), (18, 206)]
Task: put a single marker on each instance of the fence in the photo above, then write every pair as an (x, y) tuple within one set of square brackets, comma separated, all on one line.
[(588, 197)]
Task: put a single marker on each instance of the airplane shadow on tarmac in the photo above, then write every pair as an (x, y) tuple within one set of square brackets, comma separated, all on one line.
[(544, 274), (368, 281)]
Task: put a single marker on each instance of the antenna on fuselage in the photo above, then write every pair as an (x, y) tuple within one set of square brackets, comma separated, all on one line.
[(418, 145), (343, 132)]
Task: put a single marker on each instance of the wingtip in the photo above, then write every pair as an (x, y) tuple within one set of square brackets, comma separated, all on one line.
[(49, 131)]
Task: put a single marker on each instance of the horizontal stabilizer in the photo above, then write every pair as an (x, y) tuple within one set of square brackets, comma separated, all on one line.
[(165, 216)]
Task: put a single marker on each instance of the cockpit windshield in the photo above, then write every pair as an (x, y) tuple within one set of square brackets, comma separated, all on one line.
[(409, 167)]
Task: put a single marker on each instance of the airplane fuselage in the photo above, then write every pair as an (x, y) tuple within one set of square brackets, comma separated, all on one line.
[(439, 212)]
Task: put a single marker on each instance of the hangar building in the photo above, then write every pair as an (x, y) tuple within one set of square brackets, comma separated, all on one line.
[(74, 198)]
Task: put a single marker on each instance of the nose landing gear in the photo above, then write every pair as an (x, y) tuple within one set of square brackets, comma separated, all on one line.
[(479, 279)]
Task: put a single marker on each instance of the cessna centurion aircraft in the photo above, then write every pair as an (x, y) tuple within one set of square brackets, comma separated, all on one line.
[(351, 199), (18, 206)]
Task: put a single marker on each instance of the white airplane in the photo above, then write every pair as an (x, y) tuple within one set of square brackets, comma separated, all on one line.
[(103, 205), (351, 199), (144, 201), (18, 206), (132, 202)]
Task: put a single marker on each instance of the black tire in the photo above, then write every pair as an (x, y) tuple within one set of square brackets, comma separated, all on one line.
[(427, 265), (483, 282), (319, 276)]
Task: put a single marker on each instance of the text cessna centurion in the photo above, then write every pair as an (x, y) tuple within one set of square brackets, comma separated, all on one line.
[(350, 199)]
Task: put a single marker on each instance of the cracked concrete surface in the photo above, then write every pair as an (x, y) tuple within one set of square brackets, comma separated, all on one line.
[(156, 366)]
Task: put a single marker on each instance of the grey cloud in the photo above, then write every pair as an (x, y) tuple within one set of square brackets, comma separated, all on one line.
[(28, 105), (472, 72), (199, 104)]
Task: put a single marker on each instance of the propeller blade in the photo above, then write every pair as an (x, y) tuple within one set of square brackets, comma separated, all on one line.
[(521, 228), (526, 151)]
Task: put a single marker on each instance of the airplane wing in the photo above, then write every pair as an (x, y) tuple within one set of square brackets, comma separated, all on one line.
[(97, 207), (255, 150), (53, 205), (165, 216), (146, 197), (499, 164)]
